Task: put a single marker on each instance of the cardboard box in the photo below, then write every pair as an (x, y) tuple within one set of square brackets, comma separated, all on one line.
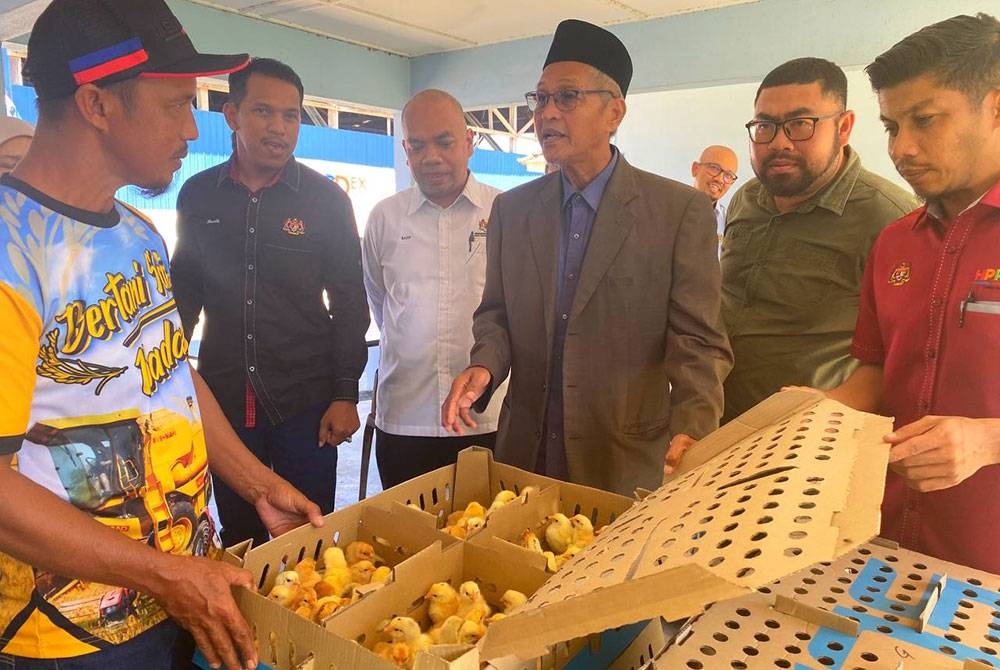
[(877, 607), (478, 477), (795, 481)]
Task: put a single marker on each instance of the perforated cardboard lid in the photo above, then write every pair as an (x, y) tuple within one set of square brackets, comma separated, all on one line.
[(878, 606), (794, 481)]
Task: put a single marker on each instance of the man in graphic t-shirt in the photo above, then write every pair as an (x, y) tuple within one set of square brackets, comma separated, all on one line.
[(106, 526)]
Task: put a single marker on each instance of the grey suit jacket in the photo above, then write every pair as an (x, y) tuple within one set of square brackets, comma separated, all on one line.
[(645, 352)]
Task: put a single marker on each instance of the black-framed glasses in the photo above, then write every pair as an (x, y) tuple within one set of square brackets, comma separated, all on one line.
[(797, 129), (566, 99), (715, 170)]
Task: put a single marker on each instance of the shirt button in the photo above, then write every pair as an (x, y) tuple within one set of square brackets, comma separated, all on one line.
[(571, 275), (931, 353), (936, 302), (254, 199), (951, 250), (253, 369), (250, 301), (576, 236), (250, 267), (249, 336), (251, 229), (565, 316), (553, 436)]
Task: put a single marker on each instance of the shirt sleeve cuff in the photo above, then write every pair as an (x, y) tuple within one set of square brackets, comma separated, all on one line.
[(11, 445), (346, 390)]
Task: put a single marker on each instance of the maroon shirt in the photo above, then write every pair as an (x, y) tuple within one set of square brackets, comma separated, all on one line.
[(930, 316)]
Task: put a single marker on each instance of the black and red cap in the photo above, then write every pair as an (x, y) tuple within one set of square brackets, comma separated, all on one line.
[(77, 42)]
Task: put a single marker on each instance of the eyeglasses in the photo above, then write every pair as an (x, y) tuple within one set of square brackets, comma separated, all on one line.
[(798, 129), (566, 99), (715, 170)]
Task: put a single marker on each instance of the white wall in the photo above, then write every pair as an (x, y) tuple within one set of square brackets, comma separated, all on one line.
[(664, 132)]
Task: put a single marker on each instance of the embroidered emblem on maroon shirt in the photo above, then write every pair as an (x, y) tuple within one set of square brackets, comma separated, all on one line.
[(900, 274)]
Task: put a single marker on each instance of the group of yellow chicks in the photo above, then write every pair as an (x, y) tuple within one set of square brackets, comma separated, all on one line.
[(456, 617), (316, 594), (564, 538), (464, 522)]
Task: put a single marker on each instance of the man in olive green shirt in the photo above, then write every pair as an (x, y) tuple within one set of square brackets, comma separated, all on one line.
[(797, 237)]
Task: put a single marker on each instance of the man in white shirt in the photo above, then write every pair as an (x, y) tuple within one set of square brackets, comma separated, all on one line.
[(424, 268), (714, 173)]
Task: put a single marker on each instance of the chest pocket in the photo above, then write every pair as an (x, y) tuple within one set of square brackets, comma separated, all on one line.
[(802, 275), (293, 269)]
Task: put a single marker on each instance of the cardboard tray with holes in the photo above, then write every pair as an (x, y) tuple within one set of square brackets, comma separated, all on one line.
[(795, 481), (877, 607)]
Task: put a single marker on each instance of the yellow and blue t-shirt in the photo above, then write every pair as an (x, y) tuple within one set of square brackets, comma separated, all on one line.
[(98, 404)]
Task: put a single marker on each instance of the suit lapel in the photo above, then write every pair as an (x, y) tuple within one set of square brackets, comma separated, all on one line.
[(544, 224), (612, 226)]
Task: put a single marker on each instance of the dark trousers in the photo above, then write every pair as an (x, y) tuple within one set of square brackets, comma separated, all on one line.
[(165, 646), (402, 457), (289, 449)]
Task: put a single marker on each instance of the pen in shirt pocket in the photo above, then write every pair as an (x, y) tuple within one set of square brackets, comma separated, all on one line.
[(962, 306), (472, 238)]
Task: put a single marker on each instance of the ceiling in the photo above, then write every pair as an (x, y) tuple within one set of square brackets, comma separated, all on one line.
[(414, 27), (418, 27)]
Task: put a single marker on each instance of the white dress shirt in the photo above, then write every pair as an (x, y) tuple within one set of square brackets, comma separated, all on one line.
[(424, 270)]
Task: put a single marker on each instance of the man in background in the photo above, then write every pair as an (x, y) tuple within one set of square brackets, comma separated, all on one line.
[(425, 266), (797, 237), (714, 173), (260, 240)]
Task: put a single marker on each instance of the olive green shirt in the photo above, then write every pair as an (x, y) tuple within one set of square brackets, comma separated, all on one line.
[(791, 282)]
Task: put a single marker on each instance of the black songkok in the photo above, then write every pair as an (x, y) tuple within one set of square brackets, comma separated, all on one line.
[(584, 42)]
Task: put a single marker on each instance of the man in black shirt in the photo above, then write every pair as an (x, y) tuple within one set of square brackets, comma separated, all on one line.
[(260, 238)]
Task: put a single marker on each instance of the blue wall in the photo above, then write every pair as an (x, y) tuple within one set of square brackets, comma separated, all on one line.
[(731, 45)]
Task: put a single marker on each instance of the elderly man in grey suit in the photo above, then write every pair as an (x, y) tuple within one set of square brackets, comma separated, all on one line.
[(602, 294)]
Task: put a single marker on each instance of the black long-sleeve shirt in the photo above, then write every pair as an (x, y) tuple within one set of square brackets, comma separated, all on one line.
[(258, 264)]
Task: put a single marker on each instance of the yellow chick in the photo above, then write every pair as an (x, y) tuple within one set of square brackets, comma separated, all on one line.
[(397, 653), (530, 541), (550, 561), (324, 607), (333, 557), (471, 604), (361, 572), (304, 610), (458, 529), (287, 595), (287, 577), (583, 530), (404, 629), (382, 575), (559, 532), (447, 632), (471, 632), (571, 551), (442, 601), (493, 618), (308, 576), (501, 499), (511, 599), (359, 551), (334, 581), (474, 524)]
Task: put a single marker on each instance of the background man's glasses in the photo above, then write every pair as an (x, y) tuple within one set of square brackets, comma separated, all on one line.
[(566, 99), (797, 129), (715, 170)]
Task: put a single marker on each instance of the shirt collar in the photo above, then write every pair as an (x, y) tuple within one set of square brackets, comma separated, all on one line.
[(593, 191), (290, 175), (472, 192), (833, 197), (934, 214)]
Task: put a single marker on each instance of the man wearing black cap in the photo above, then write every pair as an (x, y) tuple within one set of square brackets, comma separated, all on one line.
[(108, 423), (601, 296)]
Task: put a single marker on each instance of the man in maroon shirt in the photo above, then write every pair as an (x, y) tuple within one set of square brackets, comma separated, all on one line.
[(928, 333)]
